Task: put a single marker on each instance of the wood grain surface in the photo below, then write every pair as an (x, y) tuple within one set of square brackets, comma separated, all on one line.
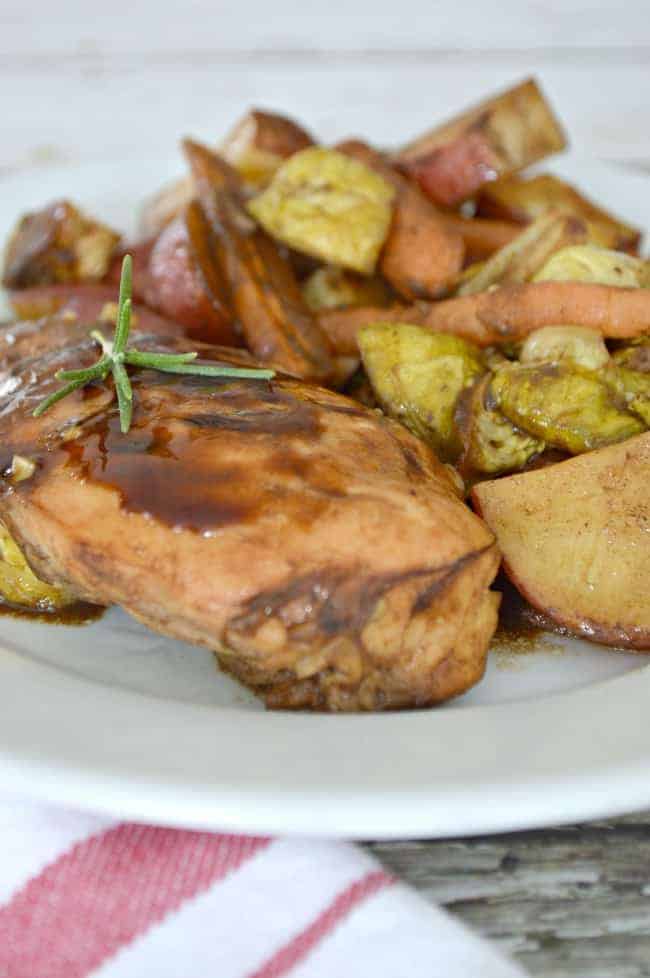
[(81, 82), (570, 902)]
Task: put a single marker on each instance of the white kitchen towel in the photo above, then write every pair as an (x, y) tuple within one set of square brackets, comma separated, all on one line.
[(82, 895)]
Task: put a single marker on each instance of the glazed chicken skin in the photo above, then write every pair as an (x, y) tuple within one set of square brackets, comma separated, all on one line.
[(319, 548)]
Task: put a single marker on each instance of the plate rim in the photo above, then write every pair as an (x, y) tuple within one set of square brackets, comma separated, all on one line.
[(207, 789)]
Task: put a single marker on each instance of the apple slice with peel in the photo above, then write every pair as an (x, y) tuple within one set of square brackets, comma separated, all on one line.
[(575, 539)]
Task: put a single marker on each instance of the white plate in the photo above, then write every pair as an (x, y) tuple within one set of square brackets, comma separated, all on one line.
[(114, 718)]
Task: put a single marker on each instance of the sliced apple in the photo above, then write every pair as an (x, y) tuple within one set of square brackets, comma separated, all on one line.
[(575, 539)]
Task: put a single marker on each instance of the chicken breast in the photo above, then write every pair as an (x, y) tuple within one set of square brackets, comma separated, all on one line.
[(319, 548)]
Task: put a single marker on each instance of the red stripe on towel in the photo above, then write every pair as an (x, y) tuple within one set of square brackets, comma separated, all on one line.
[(308, 939), (105, 892)]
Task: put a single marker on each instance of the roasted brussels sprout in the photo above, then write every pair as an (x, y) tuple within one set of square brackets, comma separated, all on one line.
[(530, 251), (632, 386), (334, 288), (578, 344), (566, 406), (635, 356), (589, 263), (491, 443), (417, 377), (19, 586), (58, 244), (329, 206)]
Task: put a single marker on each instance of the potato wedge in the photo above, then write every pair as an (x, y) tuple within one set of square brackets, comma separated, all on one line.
[(258, 144), (187, 284), (55, 245), (423, 253), (576, 543), (495, 138), (264, 293), (328, 205), (523, 199), (528, 253)]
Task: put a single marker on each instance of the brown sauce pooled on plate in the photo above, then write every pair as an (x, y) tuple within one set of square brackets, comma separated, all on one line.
[(520, 625), (77, 613)]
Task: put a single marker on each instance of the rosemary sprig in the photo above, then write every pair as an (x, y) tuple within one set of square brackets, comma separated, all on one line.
[(116, 356)]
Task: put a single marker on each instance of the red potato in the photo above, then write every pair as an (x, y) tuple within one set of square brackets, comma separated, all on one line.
[(166, 204), (495, 138), (575, 542), (423, 254), (140, 253), (57, 244), (185, 281), (507, 313), (260, 141), (255, 147)]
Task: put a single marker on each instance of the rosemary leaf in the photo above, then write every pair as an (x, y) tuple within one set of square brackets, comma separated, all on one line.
[(215, 370), (154, 360), (99, 369), (123, 321), (57, 396), (124, 396), (122, 327), (115, 356)]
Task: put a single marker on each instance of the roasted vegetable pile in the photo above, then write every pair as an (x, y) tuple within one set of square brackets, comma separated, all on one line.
[(501, 317)]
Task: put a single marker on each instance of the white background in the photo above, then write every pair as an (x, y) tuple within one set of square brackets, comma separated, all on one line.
[(82, 82)]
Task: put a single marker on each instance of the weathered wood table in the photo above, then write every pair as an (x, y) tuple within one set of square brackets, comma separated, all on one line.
[(570, 902)]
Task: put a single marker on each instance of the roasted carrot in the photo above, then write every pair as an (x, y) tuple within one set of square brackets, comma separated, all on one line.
[(507, 313), (423, 252), (264, 294), (482, 237)]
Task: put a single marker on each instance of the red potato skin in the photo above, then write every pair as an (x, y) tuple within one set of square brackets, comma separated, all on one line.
[(83, 302), (273, 133), (140, 254), (634, 640), (178, 290), (423, 253), (450, 174)]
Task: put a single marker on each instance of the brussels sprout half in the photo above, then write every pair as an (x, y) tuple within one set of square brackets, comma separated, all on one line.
[(566, 406), (417, 377)]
